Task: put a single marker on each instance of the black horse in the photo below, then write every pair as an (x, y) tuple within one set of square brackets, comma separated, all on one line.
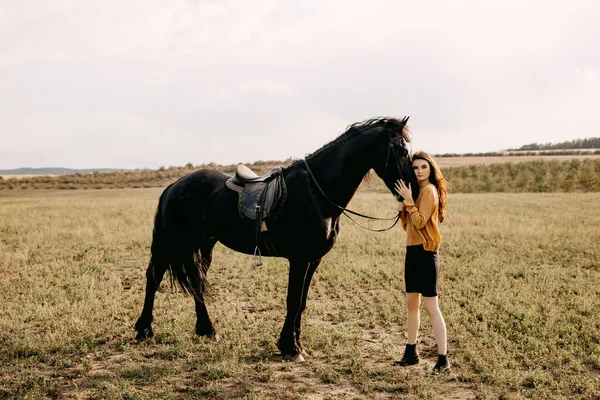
[(198, 210)]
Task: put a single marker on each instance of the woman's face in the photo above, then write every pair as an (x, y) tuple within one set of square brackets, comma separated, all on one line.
[(422, 170)]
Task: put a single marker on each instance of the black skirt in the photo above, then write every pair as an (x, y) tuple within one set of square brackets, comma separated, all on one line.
[(421, 271)]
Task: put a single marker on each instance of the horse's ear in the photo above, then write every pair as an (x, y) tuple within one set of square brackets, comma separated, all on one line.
[(401, 132)]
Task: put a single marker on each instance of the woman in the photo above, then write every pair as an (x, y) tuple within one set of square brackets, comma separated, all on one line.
[(420, 221)]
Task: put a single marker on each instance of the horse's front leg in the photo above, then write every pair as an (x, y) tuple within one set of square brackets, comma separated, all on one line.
[(287, 340), (307, 279)]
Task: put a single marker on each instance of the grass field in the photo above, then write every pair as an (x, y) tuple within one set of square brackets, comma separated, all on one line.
[(519, 288)]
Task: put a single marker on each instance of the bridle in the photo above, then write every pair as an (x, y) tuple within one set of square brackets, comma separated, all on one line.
[(387, 158), (346, 210)]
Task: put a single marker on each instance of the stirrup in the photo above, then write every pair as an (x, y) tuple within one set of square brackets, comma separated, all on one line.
[(259, 262)]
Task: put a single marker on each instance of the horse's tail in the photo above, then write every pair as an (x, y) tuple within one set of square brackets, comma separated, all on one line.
[(159, 247), (173, 249)]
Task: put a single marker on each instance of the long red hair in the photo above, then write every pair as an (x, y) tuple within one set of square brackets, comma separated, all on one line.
[(437, 179)]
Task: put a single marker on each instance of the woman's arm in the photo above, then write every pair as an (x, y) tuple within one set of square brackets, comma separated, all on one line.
[(427, 204)]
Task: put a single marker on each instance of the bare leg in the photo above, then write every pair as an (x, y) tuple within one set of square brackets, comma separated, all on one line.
[(312, 267), (287, 339), (414, 317), (437, 321)]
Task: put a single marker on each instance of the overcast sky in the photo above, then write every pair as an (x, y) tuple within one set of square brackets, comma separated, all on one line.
[(147, 83)]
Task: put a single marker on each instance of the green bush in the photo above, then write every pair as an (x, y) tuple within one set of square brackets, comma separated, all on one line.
[(535, 176)]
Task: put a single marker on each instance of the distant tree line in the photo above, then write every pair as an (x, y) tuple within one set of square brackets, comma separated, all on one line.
[(521, 153), (569, 148), (588, 143)]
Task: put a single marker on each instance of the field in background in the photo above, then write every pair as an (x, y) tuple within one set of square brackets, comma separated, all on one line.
[(467, 175), (26, 176), (534, 176), (448, 162), (519, 287), (444, 161)]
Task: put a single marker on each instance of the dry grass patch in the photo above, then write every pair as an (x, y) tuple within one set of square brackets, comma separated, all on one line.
[(520, 290)]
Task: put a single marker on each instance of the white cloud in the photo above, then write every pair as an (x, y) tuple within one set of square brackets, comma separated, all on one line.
[(164, 83)]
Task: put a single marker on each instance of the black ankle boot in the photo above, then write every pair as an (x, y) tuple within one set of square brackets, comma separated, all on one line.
[(410, 357), (441, 366)]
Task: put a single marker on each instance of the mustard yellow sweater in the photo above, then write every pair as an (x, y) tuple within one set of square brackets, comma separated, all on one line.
[(420, 219)]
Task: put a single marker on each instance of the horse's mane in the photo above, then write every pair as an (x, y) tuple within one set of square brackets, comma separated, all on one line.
[(404, 134), (357, 128)]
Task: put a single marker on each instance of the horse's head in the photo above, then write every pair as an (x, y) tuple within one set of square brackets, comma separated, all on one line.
[(392, 158)]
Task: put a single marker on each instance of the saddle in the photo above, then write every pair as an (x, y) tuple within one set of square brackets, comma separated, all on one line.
[(261, 198)]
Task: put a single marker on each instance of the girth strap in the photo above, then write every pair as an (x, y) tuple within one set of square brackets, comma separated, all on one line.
[(261, 199)]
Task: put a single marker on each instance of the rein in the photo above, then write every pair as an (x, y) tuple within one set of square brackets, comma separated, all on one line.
[(387, 159), (345, 210)]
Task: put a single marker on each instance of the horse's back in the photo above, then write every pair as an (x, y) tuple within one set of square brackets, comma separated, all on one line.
[(200, 182), (185, 200)]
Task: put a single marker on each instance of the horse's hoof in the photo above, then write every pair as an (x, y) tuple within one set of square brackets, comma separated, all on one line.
[(303, 350), (294, 358), (211, 335), (214, 338), (144, 334)]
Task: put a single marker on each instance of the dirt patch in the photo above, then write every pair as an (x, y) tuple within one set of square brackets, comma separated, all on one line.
[(102, 373), (381, 346)]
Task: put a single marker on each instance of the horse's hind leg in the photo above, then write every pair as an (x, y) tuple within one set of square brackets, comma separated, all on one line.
[(204, 326), (154, 275)]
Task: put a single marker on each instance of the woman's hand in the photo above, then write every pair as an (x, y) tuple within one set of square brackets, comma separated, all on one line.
[(403, 190), (400, 206)]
